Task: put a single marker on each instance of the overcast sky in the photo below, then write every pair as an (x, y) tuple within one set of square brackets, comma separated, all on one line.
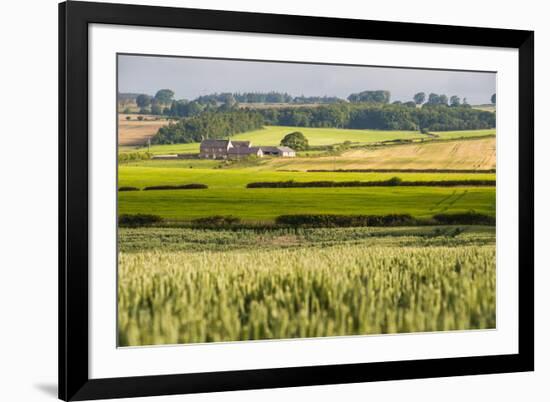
[(189, 78)]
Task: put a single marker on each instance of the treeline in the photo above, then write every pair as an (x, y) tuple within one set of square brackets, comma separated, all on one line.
[(222, 124), (381, 117), (394, 181), (310, 220), (320, 221), (163, 101), (247, 97), (209, 125), (264, 97), (229, 101)]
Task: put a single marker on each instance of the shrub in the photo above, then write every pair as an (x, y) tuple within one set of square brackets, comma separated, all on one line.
[(128, 188), (191, 186), (128, 117), (395, 181), (140, 118), (216, 221), (465, 218), (128, 220)]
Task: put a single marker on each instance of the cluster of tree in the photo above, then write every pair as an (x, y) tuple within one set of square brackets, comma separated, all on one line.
[(381, 117), (439, 99), (157, 103), (163, 103), (407, 104), (378, 96), (246, 97), (215, 99), (264, 97), (259, 97), (209, 125)]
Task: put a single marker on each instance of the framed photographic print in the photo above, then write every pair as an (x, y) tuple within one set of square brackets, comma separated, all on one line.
[(258, 201)]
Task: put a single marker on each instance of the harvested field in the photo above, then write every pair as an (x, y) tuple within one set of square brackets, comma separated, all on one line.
[(464, 154), (135, 132)]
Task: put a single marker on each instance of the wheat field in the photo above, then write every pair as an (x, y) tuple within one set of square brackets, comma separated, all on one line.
[(194, 297)]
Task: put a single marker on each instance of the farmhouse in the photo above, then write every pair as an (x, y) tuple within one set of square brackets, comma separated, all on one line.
[(228, 149), (215, 149)]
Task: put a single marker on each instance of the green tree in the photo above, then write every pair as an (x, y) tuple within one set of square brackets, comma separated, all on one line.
[(494, 99), (455, 101), (378, 96), (164, 96), (433, 99), (296, 141), (419, 98), (143, 100), (156, 109)]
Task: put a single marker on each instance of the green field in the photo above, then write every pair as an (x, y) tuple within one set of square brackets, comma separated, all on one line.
[(227, 193), (302, 284), (154, 172), (272, 135), (266, 204)]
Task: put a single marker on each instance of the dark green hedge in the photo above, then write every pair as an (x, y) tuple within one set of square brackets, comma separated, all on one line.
[(465, 218), (307, 220), (346, 220), (216, 221), (192, 186), (137, 220), (395, 181)]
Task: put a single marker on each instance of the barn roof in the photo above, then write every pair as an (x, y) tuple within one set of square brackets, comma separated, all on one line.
[(286, 149), (243, 151), (241, 144), (270, 149)]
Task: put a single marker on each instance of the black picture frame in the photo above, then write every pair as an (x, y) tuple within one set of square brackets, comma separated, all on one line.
[(74, 381)]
